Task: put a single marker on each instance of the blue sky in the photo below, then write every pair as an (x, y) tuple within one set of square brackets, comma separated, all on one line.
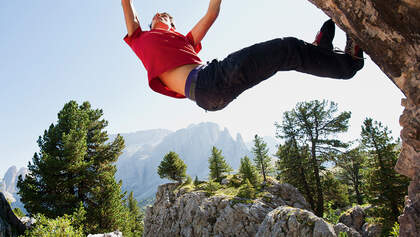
[(56, 51)]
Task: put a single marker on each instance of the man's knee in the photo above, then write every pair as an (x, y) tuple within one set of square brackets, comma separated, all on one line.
[(348, 76), (291, 42)]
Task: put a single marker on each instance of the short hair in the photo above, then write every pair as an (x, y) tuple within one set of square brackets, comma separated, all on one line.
[(171, 19)]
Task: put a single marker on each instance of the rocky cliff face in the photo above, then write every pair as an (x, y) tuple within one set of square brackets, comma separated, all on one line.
[(389, 31), (281, 212), (10, 225)]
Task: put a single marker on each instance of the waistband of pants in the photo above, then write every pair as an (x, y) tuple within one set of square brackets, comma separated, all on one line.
[(191, 83)]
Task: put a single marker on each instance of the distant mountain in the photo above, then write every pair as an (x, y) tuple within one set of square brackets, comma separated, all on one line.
[(141, 140), (137, 167), (8, 185)]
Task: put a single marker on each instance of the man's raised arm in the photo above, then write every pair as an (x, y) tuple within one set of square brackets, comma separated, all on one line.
[(131, 20), (200, 29)]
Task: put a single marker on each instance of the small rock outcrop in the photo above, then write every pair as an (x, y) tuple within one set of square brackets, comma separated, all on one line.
[(289, 221), (371, 230), (10, 225), (351, 232), (354, 218), (282, 209), (353, 222), (28, 221)]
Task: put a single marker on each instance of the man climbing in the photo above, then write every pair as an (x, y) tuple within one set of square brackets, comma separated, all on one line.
[(175, 70)]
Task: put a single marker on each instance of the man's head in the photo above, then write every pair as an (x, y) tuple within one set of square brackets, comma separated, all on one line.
[(162, 21)]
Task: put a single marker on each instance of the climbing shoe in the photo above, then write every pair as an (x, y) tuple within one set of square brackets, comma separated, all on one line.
[(355, 52), (352, 48), (326, 35)]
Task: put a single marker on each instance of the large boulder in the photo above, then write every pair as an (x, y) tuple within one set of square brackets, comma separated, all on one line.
[(389, 32), (10, 225), (341, 228), (289, 221), (286, 194)]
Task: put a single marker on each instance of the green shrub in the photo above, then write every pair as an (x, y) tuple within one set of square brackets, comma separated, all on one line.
[(61, 226), (331, 215), (241, 200), (18, 212), (246, 190), (212, 187), (67, 225), (343, 234), (184, 188), (201, 186), (235, 181), (395, 230), (189, 180)]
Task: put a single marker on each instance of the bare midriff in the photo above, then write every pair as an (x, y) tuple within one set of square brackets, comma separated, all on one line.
[(176, 78)]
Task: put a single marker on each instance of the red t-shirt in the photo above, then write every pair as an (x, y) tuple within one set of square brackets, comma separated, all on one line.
[(163, 50)]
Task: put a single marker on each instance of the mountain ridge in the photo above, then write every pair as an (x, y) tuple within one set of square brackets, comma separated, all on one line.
[(137, 166), (193, 144)]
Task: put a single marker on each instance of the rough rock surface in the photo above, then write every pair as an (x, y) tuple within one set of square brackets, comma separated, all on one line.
[(194, 214), (340, 227), (289, 221), (389, 31), (354, 218), (10, 225), (28, 221), (371, 230), (353, 223)]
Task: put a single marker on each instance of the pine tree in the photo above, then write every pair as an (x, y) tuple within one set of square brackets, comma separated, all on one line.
[(172, 167), (76, 164), (136, 217), (217, 165), (386, 188), (293, 167), (248, 171), (196, 181), (351, 164), (335, 192), (261, 158), (314, 124)]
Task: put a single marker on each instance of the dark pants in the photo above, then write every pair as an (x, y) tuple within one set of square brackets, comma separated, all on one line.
[(220, 82)]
